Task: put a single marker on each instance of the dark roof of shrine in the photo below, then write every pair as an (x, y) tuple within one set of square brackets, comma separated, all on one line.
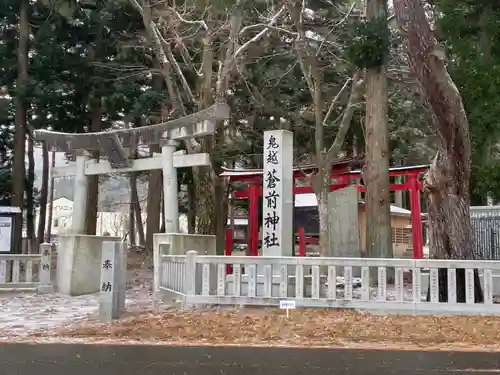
[(344, 163), (351, 166)]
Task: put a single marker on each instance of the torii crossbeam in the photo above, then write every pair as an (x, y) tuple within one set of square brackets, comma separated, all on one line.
[(113, 143)]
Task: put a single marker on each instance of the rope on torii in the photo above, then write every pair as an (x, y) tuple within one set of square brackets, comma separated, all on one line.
[(112, 142)]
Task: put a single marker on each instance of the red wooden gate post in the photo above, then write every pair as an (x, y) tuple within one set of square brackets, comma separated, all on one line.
[(416, 216), (253, 219)]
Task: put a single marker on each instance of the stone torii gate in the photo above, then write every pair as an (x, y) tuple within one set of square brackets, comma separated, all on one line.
[(77, 271)]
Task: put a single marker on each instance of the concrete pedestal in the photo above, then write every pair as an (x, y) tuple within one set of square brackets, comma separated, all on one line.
[(79, 263), (179, 244)]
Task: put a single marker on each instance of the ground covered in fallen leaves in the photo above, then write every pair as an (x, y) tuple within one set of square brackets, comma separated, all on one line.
[(250, 326), (305, 327)]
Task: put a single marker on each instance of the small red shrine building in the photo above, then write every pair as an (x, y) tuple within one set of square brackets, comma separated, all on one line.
[(342, 176)]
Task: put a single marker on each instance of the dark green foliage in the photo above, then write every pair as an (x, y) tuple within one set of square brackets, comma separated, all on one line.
[(471, 32), (80, 56), (5, 165), (369, 44)]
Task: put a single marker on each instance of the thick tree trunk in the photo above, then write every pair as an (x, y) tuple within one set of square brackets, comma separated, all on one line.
[(155, 181), (48, 237), (321, 181), (137, 209), (139, 225), (131, 210), (206, 222), (153, 207), (324, 230), (446, 211), (447, 182), (191, 216), (162, 214), (131, 223), (376, 168), (211, 204), (30, 197), (222, 196), (93, 187), (18, 167), (44, 192)]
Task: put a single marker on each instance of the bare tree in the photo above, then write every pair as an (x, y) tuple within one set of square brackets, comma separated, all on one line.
[(307, 49), (30, 193), (44, 193), (447, 182), (172, 26), (376, 168), (18, 169), (119, 225), (135, 203)]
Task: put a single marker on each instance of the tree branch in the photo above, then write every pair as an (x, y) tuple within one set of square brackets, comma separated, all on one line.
[(257, 37), (335, 100), (162, 48), (200, 23), (345, 123)]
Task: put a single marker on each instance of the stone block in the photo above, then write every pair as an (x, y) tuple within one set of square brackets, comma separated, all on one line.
[(79, 263), (344, 223), (113, 281), (45, 284)]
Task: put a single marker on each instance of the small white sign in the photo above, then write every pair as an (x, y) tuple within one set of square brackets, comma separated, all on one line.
[(287, 305), (5, 234)]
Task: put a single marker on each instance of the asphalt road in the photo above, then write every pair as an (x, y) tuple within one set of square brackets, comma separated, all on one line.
[(58, 359)]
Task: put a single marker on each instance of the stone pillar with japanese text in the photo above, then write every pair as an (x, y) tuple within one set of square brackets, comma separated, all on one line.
[(277, 186), (45, 284), (113, 280)]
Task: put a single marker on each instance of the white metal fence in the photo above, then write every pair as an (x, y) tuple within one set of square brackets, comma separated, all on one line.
[(173, 276), (21, 272), (402, 284)]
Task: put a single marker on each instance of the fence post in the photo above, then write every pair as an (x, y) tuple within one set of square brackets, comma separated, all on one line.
[(45, 285), (113, 280), (302, 241), (229, 249), (190, 277)]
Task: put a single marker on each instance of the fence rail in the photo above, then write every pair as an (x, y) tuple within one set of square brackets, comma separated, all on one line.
[(401, 284), (19, 272), (26, 272), (173, 275)]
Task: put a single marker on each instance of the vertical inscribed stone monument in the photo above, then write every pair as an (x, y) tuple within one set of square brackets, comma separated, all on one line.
[(277, 181), (344, 223), (113, 280)]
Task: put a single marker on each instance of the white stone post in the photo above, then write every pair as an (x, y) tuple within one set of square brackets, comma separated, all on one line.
[(170, 191), (45, 285), (277, 181), (3, 271), (163, 249), (122, 249), (190, 278), (80, 196), (113, 280)]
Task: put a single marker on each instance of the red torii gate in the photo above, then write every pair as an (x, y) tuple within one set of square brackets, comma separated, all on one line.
[(341, 176)]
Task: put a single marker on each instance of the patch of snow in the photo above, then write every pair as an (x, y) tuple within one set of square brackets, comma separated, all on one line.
[(22, 314)]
